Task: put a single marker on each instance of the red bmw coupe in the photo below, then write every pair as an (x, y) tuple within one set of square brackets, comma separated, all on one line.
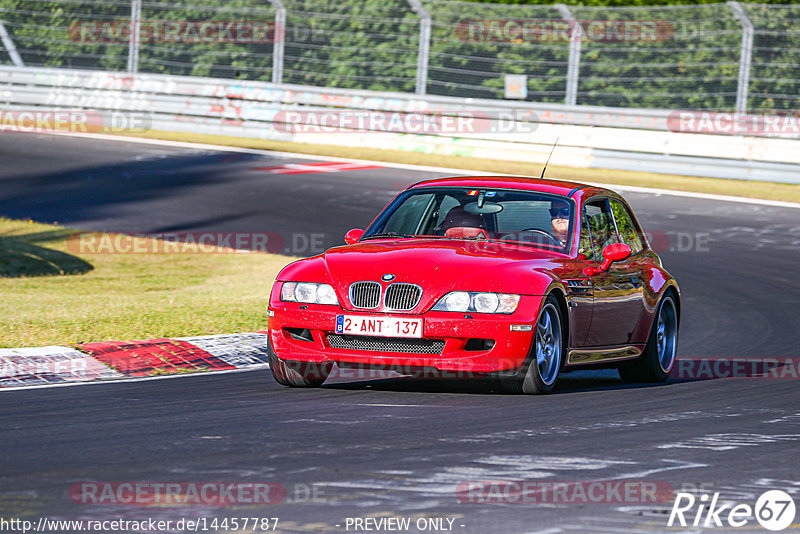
[(513, 279)]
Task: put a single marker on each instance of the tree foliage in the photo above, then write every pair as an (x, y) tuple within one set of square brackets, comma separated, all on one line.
[(374, 44)]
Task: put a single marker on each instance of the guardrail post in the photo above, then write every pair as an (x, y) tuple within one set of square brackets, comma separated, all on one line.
[(745, 57), (574, 61), (133, 45), (423, 53), (279, 38), (9, 46)]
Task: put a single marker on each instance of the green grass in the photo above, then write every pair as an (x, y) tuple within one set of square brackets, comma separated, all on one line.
[(740, 188), (53, 295)]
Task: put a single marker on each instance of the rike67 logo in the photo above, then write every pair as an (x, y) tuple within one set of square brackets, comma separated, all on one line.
[(774, 510)]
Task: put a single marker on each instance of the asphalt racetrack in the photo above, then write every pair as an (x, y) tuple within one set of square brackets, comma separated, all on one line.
[(401, 448)]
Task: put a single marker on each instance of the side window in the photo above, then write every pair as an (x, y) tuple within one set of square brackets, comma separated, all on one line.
[(406, 219), (627, 229), (600, 222)]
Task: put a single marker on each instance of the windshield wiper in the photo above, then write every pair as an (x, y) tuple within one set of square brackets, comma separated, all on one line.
[(387, 234), (469, 238)]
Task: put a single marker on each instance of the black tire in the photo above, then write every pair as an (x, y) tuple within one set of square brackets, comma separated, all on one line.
[(297, 374), (658, 358), (540, 372)]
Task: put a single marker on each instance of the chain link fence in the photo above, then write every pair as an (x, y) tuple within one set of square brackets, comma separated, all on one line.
[(721, 57), (775, 68)]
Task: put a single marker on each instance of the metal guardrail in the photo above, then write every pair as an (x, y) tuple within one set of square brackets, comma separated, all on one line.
[(303, 95), (589, 137)]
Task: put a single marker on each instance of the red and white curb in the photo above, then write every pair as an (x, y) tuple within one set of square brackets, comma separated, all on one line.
[(114, 360), (318, 167)]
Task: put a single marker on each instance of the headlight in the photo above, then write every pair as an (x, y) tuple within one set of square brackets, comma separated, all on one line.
[(485, 302), (326, 295), (456, 301), (308, 292), (463, 301)]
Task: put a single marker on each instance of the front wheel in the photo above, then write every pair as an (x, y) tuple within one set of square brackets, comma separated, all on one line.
[(297, 374), (658, 358), (548, 349)]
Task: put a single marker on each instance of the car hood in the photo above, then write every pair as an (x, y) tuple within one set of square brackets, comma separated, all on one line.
[(437, 265)]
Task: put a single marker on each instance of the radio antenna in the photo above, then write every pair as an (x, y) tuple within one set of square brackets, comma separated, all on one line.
[(548, 158)]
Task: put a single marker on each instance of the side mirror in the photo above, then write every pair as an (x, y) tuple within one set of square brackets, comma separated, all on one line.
[(352, 236), (613, 252)]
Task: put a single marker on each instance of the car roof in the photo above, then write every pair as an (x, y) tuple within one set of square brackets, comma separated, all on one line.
[(544, 185)]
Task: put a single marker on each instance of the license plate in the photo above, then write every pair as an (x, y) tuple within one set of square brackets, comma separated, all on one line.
[(361, 325)]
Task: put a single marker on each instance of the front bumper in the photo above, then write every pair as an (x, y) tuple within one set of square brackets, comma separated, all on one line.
[(460, 352)]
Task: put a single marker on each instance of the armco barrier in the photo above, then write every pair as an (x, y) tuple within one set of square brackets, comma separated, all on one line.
[(596, 137)]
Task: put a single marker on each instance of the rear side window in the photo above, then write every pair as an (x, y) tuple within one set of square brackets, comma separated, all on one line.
[(628, 232)]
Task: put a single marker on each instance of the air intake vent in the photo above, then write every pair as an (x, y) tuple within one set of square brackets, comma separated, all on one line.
[(579, 283), (402, 296), (365, 295), (386, 344), (579, 286)]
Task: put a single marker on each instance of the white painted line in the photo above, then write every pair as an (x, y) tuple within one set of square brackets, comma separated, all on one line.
[(399, 405), (50, 351), (425, 168), (706, 196), (274, 153)]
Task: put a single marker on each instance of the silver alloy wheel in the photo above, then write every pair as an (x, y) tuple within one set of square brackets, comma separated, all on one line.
[(548, 344), (667, 335)]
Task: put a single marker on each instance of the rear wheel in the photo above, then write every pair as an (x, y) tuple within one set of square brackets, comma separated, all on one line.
[(545, 363), (659, 355), (297, 374)]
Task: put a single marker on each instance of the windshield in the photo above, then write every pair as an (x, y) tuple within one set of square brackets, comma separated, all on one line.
[(518, 217)]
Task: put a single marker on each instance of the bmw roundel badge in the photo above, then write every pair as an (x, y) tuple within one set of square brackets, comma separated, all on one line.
[(388, 277)]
